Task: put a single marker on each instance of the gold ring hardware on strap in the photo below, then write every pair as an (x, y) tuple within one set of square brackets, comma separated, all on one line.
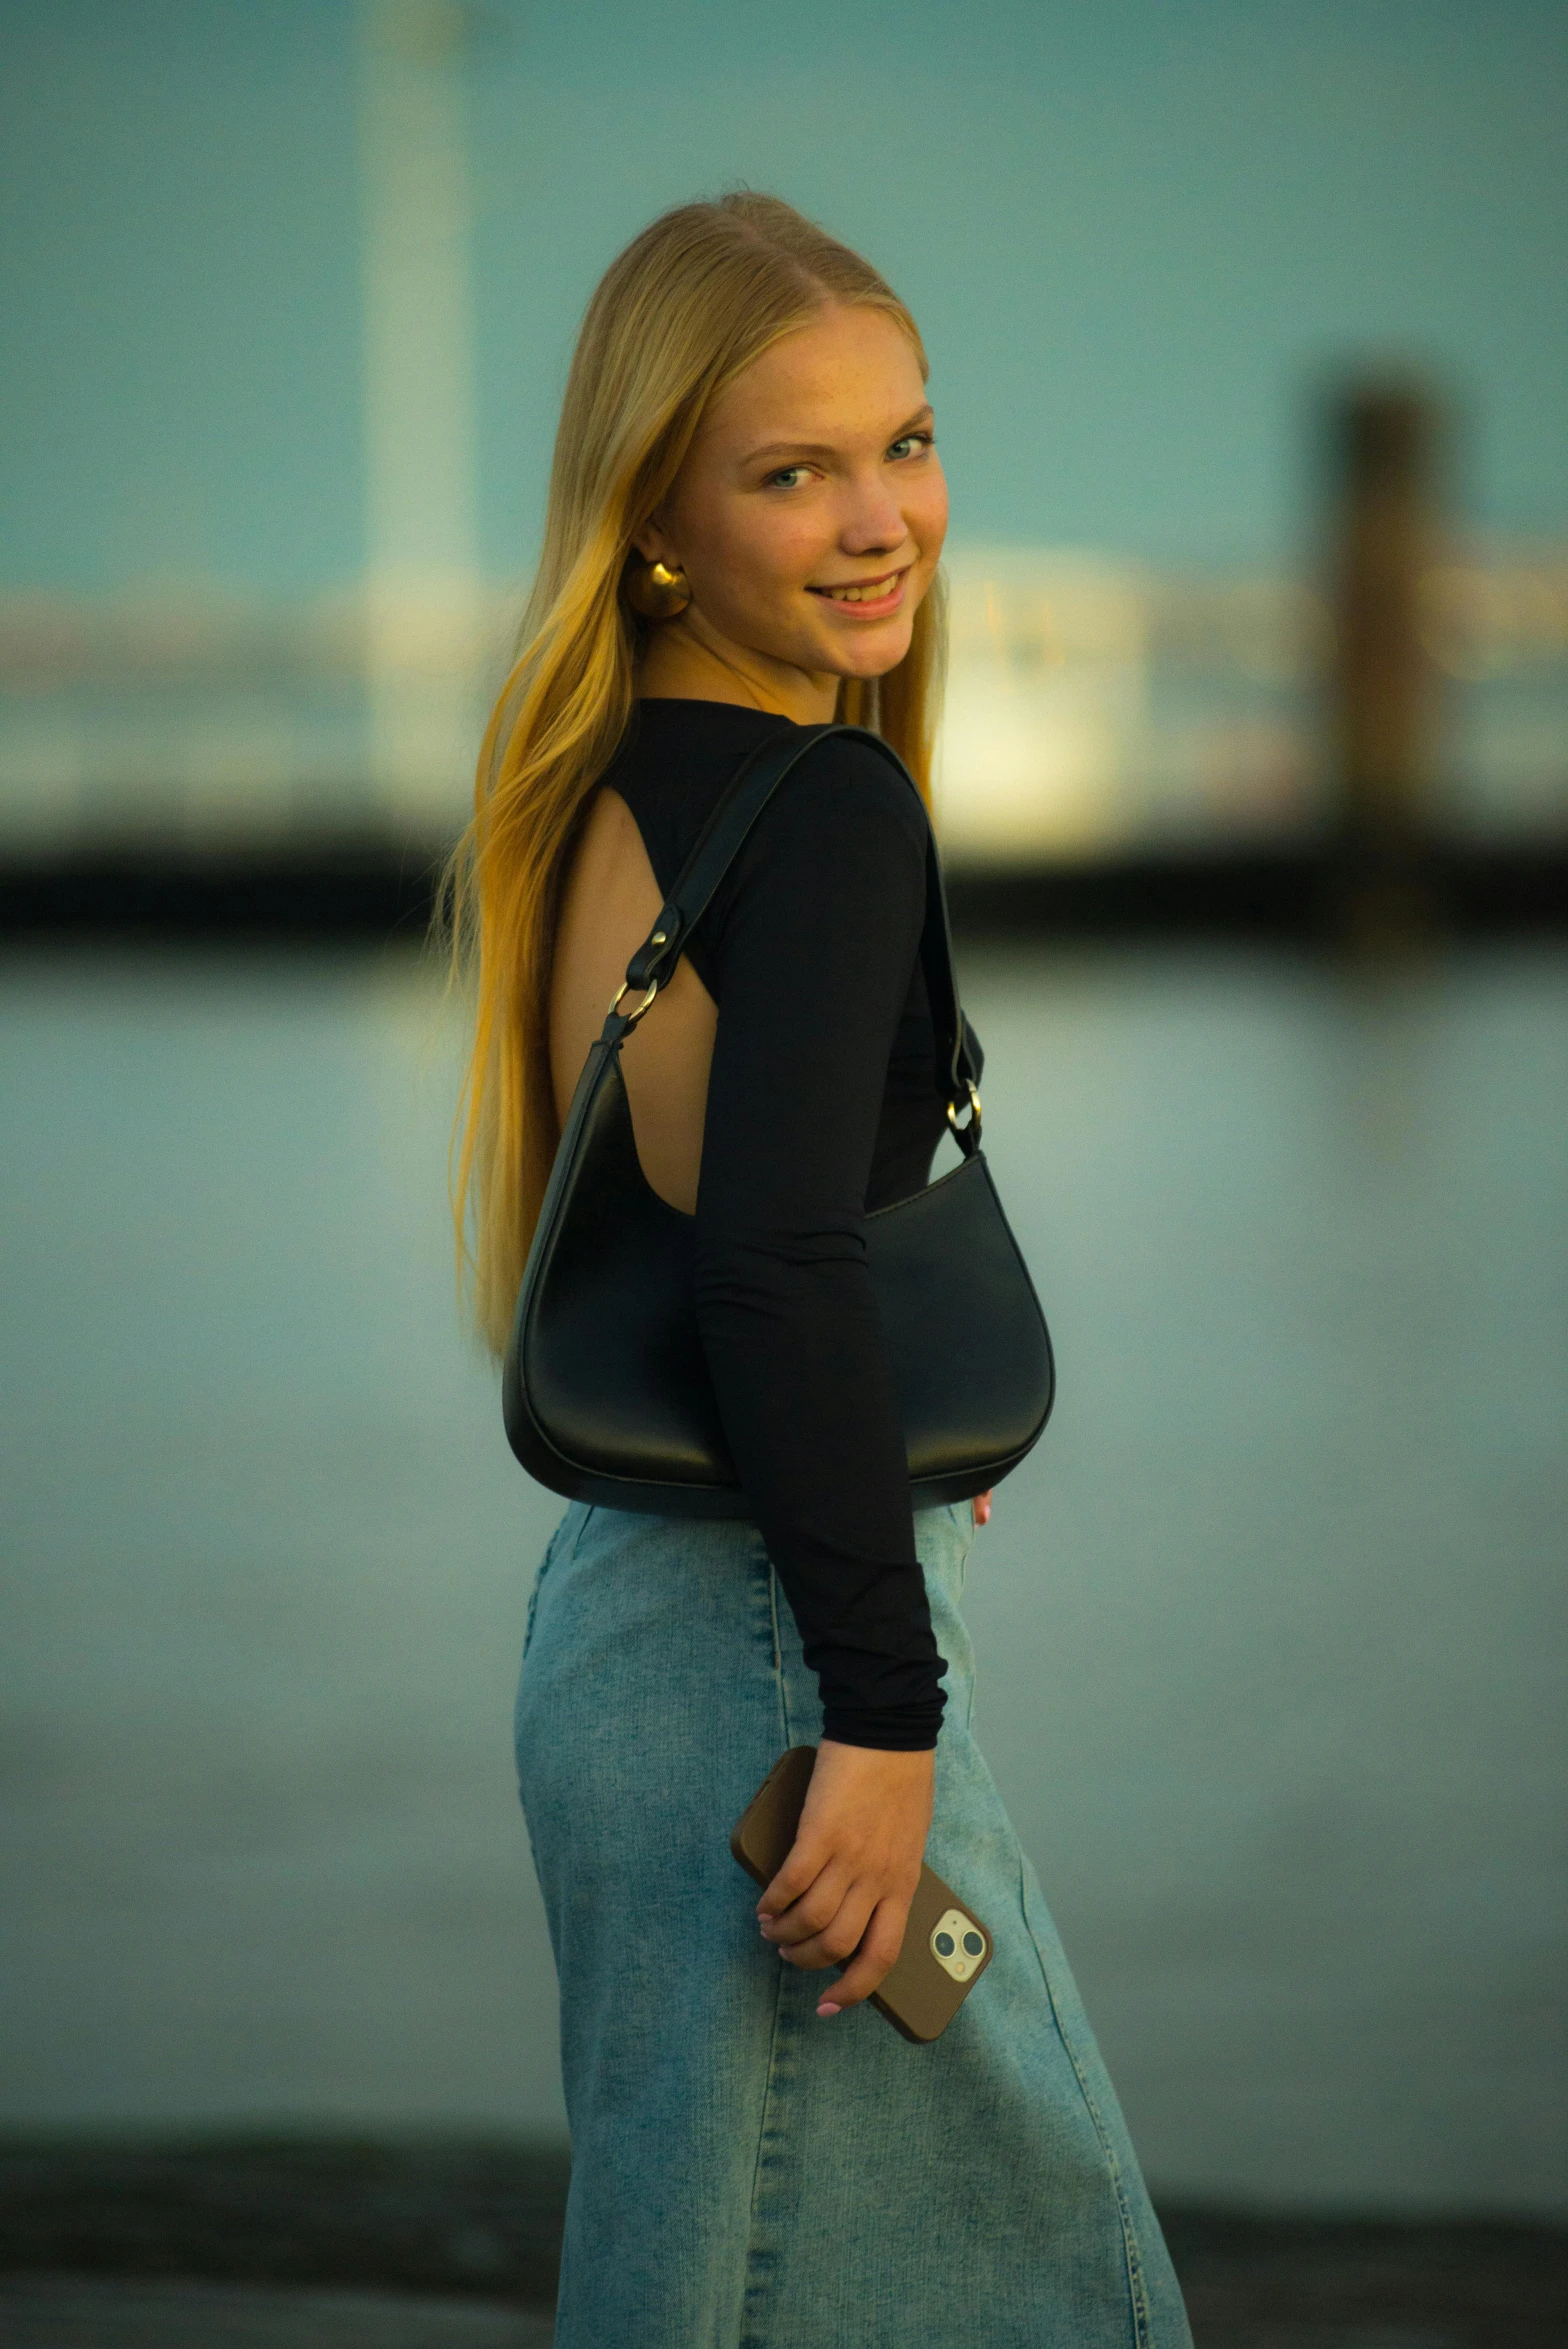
[(659, 938), (970, 1132), (633, 1016)]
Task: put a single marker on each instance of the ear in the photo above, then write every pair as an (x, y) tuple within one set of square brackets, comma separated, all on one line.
[(653, 544)]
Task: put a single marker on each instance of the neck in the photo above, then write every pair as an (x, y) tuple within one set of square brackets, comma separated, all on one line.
[(687, 660)]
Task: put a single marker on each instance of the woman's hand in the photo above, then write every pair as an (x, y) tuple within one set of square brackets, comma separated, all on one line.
[(844, 1892)]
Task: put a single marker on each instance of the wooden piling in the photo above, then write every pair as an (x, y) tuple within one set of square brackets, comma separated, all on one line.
[(1382, 683)]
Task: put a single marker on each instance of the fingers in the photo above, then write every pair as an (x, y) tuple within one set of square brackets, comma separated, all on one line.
[(838, 1938), (798, 1874), (873, 1961), (815, 1911)]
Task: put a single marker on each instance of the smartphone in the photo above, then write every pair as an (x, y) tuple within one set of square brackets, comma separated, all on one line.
[(946, 1948)]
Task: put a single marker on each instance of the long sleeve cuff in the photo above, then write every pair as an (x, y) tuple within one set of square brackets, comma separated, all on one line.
[(910, 1732)]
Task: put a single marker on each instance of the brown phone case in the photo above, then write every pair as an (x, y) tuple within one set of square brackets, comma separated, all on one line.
[(919, 1997)]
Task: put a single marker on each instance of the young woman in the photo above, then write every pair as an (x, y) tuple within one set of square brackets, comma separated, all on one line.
[(745, 519)]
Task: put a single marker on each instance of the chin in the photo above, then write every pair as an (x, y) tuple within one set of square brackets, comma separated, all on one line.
[(870, 655), (876, 659)]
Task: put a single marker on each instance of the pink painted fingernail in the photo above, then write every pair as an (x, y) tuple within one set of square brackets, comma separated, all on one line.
[(828, 2008)]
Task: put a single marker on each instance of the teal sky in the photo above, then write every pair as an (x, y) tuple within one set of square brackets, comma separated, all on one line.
[(1140, 235)]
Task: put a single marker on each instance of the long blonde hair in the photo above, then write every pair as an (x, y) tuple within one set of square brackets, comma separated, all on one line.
[(691, 302)]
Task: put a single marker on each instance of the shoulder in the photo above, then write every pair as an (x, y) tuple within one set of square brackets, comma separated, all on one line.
[(845, 794), (834, 867)]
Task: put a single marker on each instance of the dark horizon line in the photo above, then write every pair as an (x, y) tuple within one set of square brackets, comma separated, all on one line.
[(370, 891)]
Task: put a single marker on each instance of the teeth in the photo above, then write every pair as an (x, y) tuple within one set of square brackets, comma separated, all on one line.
[(871, 593)]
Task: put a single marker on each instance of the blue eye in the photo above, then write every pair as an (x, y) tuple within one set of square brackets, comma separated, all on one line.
[(784, 478), (912, 442)]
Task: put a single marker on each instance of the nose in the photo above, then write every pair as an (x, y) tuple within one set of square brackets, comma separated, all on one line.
[(874, 521)]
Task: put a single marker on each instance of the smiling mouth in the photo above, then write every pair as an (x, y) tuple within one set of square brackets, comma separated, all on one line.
[(864, 591)]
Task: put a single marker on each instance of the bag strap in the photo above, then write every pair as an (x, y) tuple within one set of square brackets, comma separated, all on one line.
[(718, 845)]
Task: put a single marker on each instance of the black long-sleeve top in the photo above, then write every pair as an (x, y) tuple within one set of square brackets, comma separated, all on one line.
[(822, 1104)]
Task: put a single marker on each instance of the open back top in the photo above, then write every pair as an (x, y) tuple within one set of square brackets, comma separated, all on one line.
[(823, 1103)]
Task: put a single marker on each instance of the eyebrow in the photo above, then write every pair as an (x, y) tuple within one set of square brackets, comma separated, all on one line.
[(822, 448)]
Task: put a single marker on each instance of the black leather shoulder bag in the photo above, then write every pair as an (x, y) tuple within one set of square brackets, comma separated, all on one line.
[(606, 1390)]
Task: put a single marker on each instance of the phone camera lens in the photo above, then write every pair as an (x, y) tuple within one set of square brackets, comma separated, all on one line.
[(944, 1945), (974, 1944)]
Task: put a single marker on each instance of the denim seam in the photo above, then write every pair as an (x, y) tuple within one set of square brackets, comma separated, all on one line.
[(748, 2337), (779, 1680), (1135, 2283), (533, 1596), (545, 1564), (752, 2287)]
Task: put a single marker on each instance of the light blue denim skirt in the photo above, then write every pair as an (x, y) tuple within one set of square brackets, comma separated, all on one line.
[(745, 2176)]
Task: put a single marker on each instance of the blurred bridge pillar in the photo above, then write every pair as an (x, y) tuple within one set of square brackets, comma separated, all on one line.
[(1383, 686), (423, 590)]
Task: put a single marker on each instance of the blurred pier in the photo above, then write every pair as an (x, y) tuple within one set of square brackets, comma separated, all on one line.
[(1125, 749)]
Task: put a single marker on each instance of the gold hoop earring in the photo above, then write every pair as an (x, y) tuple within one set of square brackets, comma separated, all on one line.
[(656, 591)]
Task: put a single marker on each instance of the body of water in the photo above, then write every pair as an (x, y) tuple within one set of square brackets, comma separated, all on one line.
[(1267, 1629)]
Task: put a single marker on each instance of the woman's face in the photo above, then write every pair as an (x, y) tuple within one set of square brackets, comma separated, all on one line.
[(810, 513)]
